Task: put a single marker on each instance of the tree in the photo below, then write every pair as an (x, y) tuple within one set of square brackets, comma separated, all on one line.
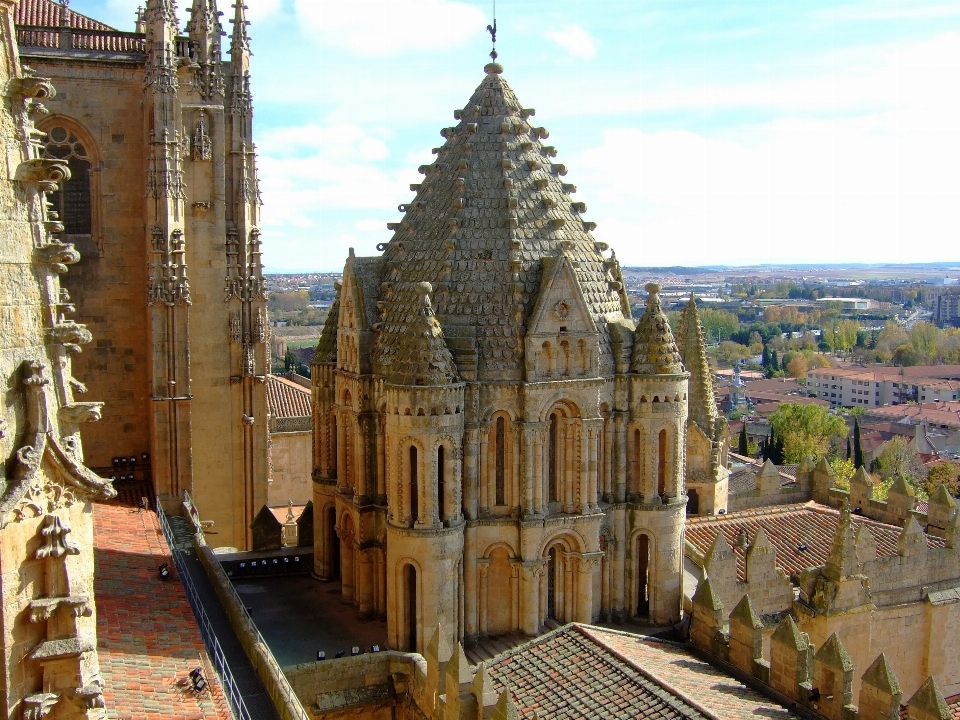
[(774, 362), (843, 470), (857, 447), (765, 357), (806, 430), (848, 447), (946, 474), (900, 457), (744, 446)]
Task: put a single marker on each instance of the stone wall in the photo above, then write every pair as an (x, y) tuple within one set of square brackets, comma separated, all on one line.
[(291, 458)]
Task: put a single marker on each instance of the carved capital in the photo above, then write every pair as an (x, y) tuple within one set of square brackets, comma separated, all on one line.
[(532, 569), (591, 562)]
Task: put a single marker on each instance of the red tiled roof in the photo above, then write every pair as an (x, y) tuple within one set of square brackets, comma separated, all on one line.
[(286, 398), (676, 668), (938, 413), (569, 674), (46, 13), (147, 636), (787, 527)]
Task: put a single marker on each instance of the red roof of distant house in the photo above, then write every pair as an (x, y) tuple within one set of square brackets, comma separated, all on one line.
[(787, 527), (942, 413), (47, 13)]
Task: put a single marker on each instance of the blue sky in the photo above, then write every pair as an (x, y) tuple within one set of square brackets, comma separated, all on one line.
[(697, 132)]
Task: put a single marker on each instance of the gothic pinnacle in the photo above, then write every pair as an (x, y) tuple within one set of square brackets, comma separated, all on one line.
[(693, 351), (240, 40)]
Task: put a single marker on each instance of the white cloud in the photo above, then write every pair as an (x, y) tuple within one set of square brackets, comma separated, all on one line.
[(802, 190), (380, 28), (575, 40)]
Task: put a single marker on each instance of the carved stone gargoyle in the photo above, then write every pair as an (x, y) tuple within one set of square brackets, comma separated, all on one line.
[(45, 173), (80, 412), (71, 335), (57, 255)]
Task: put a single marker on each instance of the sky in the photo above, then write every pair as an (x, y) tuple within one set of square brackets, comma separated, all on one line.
[(697, 132)]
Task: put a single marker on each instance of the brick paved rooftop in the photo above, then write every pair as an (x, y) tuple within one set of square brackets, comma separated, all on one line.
[(788, 527), (685, 674), (147, 637)]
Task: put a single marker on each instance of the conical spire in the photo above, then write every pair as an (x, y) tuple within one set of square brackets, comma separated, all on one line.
[(326, 351), (702, 405), (654, 349), (411, 350), (488, 211)]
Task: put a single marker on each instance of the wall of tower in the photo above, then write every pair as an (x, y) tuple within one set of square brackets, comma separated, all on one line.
[(102, 104)]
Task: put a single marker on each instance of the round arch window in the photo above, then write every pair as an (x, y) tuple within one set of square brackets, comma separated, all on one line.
[(72, 201)]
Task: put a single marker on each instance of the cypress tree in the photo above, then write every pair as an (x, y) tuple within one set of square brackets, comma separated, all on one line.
[(857, 449), (744, 447), (777, 455), (765, 357), (774, 362), (848, 447)]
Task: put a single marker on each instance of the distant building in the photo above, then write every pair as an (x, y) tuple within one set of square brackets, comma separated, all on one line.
[(865, 387), (946, 309)]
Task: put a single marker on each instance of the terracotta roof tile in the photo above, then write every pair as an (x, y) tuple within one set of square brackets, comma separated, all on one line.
[(46, 13), (570, 674), (788, 527), (147, 636), (287, 399), (697, 681)]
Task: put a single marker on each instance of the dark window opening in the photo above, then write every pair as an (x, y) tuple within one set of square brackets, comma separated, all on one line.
[(71, 201), (441, 483), (501, 462), (552, 459)]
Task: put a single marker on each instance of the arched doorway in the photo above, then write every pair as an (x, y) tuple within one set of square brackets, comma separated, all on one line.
[(693, 502), (643, 576)]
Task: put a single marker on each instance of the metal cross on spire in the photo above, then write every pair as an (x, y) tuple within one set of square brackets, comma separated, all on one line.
[(492, 29)]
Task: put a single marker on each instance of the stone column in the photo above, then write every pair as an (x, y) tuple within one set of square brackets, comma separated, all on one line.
[(529, 479), (537, 478), (618, 587), (568, 469), (530, 596), (470, 585), (484, 509), (470, 479), (608, 454), (620, 453), (365, 589), (589, 563), (381, 466), (483, 570), (341, 458)]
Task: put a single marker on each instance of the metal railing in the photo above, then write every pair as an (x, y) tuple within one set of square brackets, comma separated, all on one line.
[(230, 690)]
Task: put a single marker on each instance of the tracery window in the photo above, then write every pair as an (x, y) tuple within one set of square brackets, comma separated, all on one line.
[(72, 200)]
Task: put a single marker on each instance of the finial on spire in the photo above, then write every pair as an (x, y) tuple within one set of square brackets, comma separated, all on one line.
[(492, 29)]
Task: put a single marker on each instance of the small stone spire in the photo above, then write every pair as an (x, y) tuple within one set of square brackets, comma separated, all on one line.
[(205, 30), (326, 351), (654, 349), (412, 350), (240, 39), (693, 352), (843, 561)]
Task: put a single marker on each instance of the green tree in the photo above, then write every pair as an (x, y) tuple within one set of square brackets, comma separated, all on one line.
[(900, 457), (946, 474), (806, 430), (718, 323), (857, 447), (843, 470), (744, 446)]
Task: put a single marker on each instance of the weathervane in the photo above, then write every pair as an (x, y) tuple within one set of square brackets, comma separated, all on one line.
[(492, 29)]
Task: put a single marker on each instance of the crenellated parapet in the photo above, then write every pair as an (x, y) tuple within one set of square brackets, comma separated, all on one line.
[(821, 680)]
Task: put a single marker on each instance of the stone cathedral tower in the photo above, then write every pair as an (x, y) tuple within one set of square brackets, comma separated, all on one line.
[(163, 205), (496, 445)]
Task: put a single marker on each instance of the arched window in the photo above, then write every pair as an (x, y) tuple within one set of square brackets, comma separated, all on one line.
[(500, 459), (441, 483), (334, 441), (552, 584), (71, 201), (552, 490), (411, 578), (662, 464), (414, 486)]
